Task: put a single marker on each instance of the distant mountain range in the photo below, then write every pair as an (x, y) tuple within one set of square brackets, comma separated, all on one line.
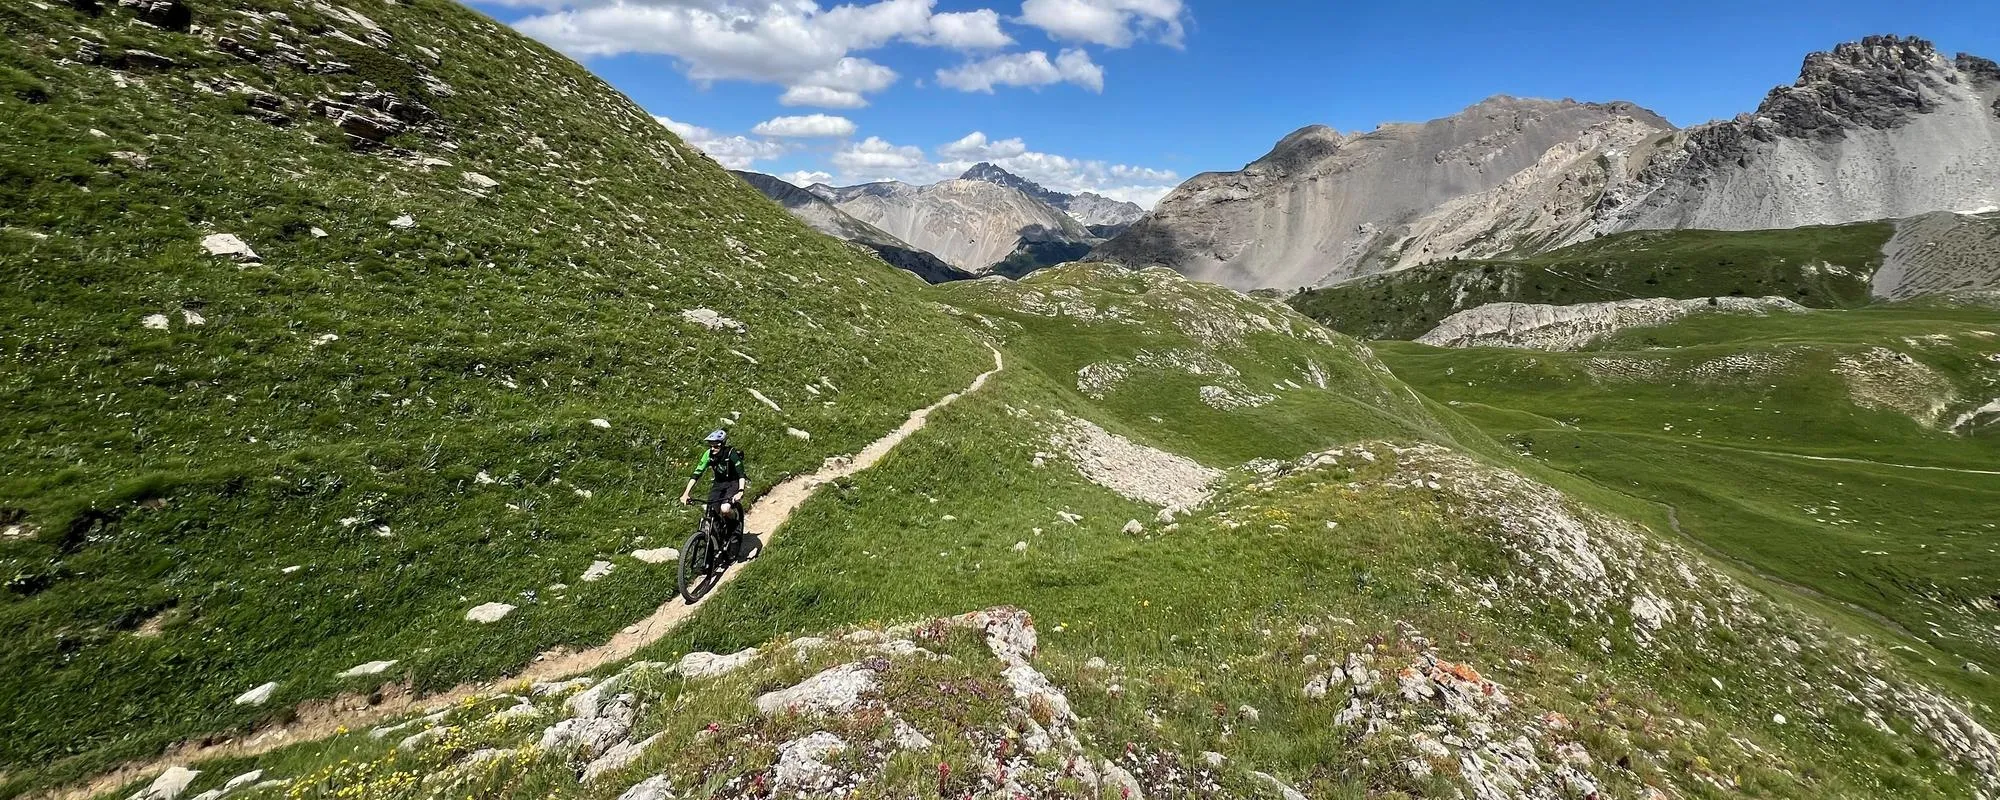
[(986, 221), (1883, 128)]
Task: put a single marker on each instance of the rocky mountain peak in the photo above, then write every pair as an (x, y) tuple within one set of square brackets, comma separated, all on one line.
[(1878, 83)]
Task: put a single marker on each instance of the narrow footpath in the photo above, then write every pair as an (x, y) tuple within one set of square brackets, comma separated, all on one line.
[(319, 719)]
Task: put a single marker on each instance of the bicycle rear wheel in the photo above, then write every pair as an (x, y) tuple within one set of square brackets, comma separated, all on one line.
[(698, 559)]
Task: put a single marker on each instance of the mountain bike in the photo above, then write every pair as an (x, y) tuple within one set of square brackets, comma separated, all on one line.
[(707, 555)]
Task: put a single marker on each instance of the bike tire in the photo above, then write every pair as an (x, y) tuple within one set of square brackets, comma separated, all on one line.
[(697, 570)]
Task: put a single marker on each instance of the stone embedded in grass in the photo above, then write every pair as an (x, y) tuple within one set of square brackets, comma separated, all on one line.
[(660, 555), (620, 756), (242, 780), (318, 233), (192, 318), (1284, 790), (800, 768), (478, 181), (324, 339), (710, 319), (653, 788), (1070, 518), (1020, 547), (910, 738), (835, 691), (601, 423), (257, 696), (597, 571), (1132, 526), (798, 434), (487, 613), (158, 322), (169, 785), (404, 222), (229, 246), (765, 400), (710, 665), (370, 668)]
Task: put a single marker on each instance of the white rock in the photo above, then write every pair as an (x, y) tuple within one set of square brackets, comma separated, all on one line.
[(318, 234), (1020, 547), (193, 318), (1121, 782), (1778, 718), (324, 338), (601, 422), (765, 400), (257, 696), (158, 322), (243, 780), (910, 738), (1096, 664), (597, 571), (660, 555), (620, 756), (227, 244), (478, 181), (370, 668), (798, 434), (711, 320), (405, 222), (1550, 327), (1249, 712), (169, 785), (488, 612), (653, 788), (1212, 758), (483, 479), (1284, 790), (1166, 516), (710, 665), (799, 766), (834, 691), (1133, 526)]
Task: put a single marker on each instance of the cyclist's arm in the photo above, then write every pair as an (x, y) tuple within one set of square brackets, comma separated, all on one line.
[(743, 481), (700, 465)]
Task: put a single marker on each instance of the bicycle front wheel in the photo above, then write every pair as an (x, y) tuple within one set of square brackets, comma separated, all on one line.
[(698, 559)]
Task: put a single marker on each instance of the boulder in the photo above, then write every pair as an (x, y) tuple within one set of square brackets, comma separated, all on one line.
[(167, 14), (486, 613), (800, 767), (370, 668), (478, 181), (653, 788), (835, 691), (257, 696), (597, 571), (710, 665), (618, 757), (144, 59), (169, 785), (228, 245), (660, 555)]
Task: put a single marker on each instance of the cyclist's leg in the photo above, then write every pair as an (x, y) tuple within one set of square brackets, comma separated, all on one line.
[(726, 512)]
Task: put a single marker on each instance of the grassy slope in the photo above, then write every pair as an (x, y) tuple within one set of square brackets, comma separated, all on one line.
[(1200, 621), (1787, 263), (168, 476), (1916, 547)]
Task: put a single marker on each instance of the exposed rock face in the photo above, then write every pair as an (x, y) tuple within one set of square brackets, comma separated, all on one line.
[(1883, 128), (1322, 206), (1090, 209), (1546, 327), (972, 225), (1880, 129), (1939, 253), (819, 214)]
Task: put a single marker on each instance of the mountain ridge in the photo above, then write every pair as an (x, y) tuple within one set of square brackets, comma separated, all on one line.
[(1880, 128)]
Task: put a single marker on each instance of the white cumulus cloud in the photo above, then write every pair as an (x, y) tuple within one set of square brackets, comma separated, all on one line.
[(804, 178), (1112, 23), (806, 127), (1032, 68), (734, 152), (796, 44), (876, 159)]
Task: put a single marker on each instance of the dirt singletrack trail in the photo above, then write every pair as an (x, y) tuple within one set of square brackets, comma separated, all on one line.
[(319, 719)]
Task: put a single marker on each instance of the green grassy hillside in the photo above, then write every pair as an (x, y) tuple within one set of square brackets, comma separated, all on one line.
[(1845, 452), (225, 472), (1348, 616), (1824, 267)]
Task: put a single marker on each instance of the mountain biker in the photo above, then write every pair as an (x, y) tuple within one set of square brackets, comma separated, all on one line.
[(725, 494)]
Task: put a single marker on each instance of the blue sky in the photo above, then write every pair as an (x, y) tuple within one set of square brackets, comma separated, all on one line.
[(1129, 97)]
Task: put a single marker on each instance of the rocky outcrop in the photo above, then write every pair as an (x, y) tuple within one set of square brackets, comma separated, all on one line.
[(972, 225), (1547, 327), (1939, 254), (1884, 128), (1323, 206), (821, 215)]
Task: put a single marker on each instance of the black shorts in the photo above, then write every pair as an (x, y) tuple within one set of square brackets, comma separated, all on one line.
[(720, 493)]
